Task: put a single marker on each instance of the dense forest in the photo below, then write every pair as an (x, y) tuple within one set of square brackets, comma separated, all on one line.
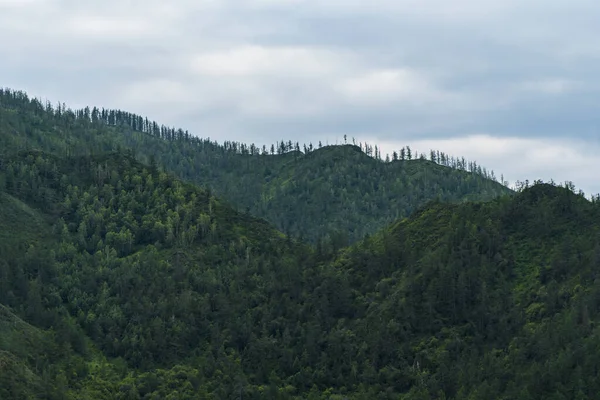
[(120, 280), (148, 287), (317, 193)]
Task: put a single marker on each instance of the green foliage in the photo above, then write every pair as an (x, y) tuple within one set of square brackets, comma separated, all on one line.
[(148, 287), (155, 271), (29, 359), (119, 281), (333, 194)]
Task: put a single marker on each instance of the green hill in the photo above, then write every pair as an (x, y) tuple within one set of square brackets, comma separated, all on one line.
[(337, 193), (151, 287), (156, 272), (494, 300), (341, 191), (119, 280)]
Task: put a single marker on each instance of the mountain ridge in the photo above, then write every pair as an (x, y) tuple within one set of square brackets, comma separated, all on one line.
[(412, 311), (281, 185), (125, 282)]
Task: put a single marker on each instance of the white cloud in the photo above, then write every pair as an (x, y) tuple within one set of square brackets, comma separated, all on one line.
[(102, 27), (389, 85), (68, 24), (17, 3), (252, 60), (156, 91), (549, 86), (259, 4), (457, 10)]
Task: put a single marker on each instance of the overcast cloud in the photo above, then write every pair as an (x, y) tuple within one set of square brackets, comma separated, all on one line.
[(512, 84)]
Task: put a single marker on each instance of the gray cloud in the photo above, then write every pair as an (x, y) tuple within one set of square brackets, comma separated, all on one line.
[(392, 71)]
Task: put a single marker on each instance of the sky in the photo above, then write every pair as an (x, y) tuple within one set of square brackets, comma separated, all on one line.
[(513, 85)]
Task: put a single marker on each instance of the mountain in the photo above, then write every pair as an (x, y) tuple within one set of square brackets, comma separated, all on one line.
[(342, 192), (34, 360), (148, 287), (153, 271), (335, 194), (495, 300)]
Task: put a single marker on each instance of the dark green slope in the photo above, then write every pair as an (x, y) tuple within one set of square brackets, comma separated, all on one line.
[(143, 286), (33, 360), (336, 191), (23, 350), (154, 288), (156, 272), (495, 300), (341, 191)]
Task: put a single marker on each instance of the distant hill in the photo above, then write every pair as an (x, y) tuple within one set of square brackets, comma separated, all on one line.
[(337, 193), (340, 191)]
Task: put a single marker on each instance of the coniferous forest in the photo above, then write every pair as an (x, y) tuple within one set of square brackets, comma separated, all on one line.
[(142, 262), (312, 192)]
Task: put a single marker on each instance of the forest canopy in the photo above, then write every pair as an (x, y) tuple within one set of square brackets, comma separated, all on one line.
[(136, 275)]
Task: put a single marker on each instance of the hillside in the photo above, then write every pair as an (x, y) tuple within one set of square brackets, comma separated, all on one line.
[(24, 351), (496, 300), (154, 272), (334, 193), (34, 360), (342, 192), (154, 287)]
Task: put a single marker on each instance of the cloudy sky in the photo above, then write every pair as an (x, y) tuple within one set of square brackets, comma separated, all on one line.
[(514, 85)]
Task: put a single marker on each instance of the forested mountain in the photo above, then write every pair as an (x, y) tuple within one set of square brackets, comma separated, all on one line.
[(135, 285), (337, 193), (154, 271)]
